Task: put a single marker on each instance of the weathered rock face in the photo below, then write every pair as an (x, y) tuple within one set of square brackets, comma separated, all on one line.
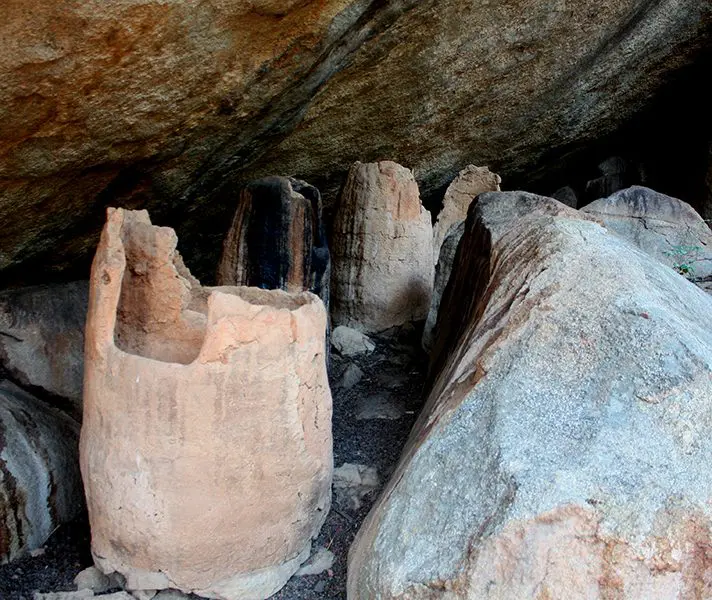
[(206, 442), (158, 104), (138, 102), (42, 340), (470, 182), (566, 195), (563, 451), (707, 212), (614, 176), (40, 485), (442, 275), (507, 84), (382, 249), (666, 228), (277, 239)]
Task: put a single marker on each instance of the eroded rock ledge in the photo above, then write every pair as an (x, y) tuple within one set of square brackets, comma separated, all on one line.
[(162, 105)]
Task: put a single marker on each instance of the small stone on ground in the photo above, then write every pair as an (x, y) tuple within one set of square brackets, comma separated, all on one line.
[(351, 377), (320, 561), (381, 406), (350, 342), (144, 594), (78, 595), (93, 579), (81, 595), (174, 595), (391, 381), (352, 483)]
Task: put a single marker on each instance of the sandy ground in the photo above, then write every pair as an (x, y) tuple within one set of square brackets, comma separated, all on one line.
[(392, 383)]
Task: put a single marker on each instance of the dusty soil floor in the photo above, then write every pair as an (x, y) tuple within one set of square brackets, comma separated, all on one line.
[(66, 553), (392, 385)]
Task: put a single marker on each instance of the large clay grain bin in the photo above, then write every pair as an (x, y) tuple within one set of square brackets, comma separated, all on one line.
[(277, 239), (206, 446), (382, 249)]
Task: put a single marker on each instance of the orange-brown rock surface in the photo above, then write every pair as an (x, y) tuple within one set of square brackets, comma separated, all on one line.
[(381, 249), (563, 450), (162, 104), (206, 442)]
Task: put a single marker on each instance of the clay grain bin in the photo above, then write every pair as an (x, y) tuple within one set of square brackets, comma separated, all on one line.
[(206, 447)]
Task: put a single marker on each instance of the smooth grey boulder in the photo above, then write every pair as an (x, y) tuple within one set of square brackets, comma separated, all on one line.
[(42, 341), (564, 448), (40, 485), (668, 229)]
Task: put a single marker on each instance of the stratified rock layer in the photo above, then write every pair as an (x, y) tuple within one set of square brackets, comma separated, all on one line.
[(40, 485), (470, 182), (277, 239), (42, 340), (382, 249), (564, 449), (163, 104), (206, 443), (668, 229)]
